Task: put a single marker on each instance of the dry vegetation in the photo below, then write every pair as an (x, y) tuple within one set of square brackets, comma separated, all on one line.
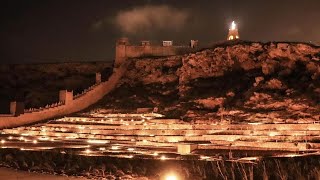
[(116, 168)]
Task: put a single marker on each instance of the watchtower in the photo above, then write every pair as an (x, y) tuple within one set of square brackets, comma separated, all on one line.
[(121, 51), (233, 32), (66, 96), (16, 108)]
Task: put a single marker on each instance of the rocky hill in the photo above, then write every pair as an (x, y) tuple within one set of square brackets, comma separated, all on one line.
[(39, 84), (242, 81)]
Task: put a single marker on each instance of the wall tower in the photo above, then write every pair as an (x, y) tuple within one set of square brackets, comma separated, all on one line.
[(121, 51), (16, 108), (66, 96)]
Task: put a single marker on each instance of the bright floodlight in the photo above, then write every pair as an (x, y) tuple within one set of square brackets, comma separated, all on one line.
[(171, 177), (233, 25)]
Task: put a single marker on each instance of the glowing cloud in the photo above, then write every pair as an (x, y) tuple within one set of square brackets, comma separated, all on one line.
[(150, 18)]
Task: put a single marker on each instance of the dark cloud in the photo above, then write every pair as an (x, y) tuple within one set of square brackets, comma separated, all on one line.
[(151, 18), (34, 31)]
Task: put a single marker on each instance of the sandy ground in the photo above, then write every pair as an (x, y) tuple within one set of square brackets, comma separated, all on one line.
[(11, 174)]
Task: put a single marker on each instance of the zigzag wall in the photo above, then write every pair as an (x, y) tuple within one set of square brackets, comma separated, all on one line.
[(77, 103)]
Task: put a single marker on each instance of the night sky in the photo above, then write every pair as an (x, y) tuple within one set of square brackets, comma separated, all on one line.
[(86, 30)]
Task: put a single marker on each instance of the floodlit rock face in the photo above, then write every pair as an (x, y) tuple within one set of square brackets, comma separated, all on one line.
[(267, 57), (241, 76), (278, 79), (211, 103), (148, 71)]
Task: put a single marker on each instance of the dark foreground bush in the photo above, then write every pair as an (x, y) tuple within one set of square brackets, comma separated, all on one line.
[(107, 167)]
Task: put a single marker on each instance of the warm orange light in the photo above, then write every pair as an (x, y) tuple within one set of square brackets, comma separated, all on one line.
[(163, 158), (114, 147), (171, 177), (97, 141)]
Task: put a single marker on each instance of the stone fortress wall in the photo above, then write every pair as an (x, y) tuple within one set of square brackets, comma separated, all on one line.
[(124, 50), (68, 103)]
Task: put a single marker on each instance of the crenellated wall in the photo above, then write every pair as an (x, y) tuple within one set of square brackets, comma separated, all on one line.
[(124, 50), (138, 51), (68, 103)]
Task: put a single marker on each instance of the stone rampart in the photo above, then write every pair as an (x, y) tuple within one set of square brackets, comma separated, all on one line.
[(124, 50), (75, 104)]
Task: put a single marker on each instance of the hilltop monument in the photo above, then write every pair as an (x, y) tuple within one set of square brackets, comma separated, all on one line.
[(233, 32)]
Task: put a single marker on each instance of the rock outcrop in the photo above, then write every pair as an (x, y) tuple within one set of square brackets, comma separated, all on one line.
[(235, 76)]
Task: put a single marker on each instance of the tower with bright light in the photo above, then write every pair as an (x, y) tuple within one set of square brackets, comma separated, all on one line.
[(233, 32)]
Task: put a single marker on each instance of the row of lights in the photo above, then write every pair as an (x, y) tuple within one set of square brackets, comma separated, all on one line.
[(22, 139)]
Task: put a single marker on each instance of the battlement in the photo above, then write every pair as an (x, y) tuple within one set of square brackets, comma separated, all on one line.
[(125, 50), (68, 102)]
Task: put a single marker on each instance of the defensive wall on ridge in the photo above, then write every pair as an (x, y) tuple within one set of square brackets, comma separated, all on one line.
[(124, 50), (68, 103)]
